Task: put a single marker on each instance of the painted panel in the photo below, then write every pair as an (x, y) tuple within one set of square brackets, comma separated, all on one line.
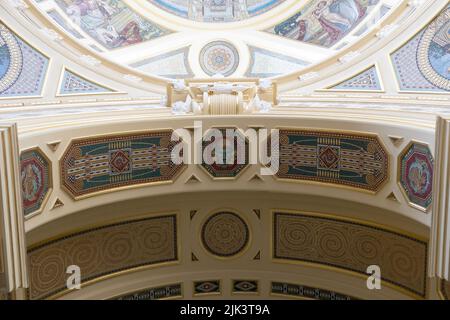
[(110, 22), (353, 246), (324, 22), (16, 80), (354, 160), (102, 251), (98, 164)]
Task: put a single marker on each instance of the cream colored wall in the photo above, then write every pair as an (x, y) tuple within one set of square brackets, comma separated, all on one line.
[(241, 267), (383, 127)]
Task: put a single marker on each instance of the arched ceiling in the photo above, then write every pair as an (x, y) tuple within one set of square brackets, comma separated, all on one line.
[(185, 39)]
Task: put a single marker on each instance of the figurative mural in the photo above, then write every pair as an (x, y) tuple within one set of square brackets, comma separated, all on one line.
[(325, 22), (216, 10), (110, 22)]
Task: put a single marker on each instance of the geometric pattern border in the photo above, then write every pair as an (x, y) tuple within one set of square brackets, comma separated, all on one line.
[(349, 159), (73, 84), (421, 64), (92, 165), (302, 291), (22, 68), (170, 291), (415, 175), (353, 246), (102, 251)]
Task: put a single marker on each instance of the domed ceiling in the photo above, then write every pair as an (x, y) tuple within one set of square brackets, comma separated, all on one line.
[(210, 38), (216, 10)]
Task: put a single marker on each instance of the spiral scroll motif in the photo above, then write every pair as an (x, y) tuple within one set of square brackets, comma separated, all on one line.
[(225, 234), (102, 251), (352, 246)]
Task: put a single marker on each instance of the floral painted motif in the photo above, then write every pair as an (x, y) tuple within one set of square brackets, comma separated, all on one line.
[(416, 176), (35, 180)]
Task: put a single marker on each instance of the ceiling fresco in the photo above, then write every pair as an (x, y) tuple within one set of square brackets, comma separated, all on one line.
[(216, 10)]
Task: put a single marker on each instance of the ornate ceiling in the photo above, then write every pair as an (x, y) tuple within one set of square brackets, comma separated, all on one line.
[(183, 39)]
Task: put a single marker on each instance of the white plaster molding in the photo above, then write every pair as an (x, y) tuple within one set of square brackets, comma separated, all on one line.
[(308, 76), (51, 34), (132, 78), (11, 214), (386, 30), (90, 60), (349, 56), (416, 3), (439, 257)]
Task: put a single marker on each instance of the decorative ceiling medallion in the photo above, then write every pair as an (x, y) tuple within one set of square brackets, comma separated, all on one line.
[(229, 161), (10, 59), (219, 57), (433, 57), (35, 178), (416, 174), (225, 234), (216, 10)]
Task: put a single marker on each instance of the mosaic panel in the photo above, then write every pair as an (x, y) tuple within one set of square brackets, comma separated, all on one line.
[(15, 80), (165, 292), (219, 57), (366, 80), (229, 161), (225, 234), (96, 164), (301, 291), (74, 84), (265, 63), (173, 64), (416, 174), (35, 180), (245, 286), (102, 251), (423, 63), (354, 160), (216, 10), (351, 246), (110, 22), (324, 22), (206, 287)]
